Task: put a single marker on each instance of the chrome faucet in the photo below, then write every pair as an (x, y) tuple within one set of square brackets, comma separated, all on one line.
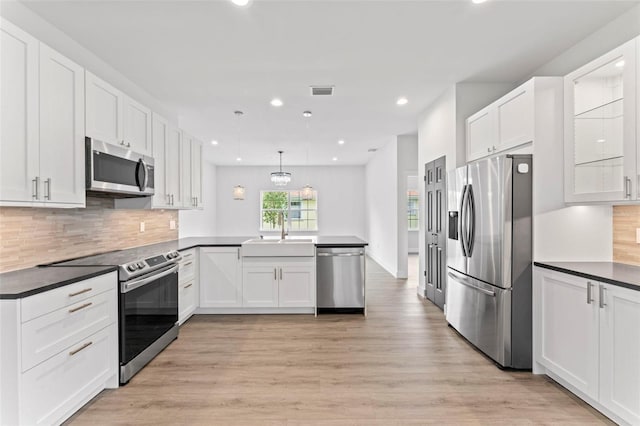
[(281, 223)]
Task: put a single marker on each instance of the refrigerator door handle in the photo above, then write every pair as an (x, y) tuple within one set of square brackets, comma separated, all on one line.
[(472, 220), (463, 220)]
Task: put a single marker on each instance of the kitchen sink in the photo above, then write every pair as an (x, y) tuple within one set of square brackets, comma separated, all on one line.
[(259, 247)]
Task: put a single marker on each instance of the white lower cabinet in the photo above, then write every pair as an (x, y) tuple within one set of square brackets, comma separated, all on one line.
[(282, 282), (188, 283), (58, 349), (586, 336), (220, 277)]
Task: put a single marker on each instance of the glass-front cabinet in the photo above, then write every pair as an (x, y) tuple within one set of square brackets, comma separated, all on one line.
[(601, 150)]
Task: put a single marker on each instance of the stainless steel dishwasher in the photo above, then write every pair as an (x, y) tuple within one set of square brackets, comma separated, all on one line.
[(341, 279)]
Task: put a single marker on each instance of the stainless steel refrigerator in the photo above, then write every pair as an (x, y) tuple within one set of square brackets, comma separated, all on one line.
[(489, 253)]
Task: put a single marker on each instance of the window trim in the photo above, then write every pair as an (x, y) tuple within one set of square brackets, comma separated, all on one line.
[(416, 209)]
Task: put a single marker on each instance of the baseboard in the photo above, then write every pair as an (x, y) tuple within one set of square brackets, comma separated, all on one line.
[(241, 310)]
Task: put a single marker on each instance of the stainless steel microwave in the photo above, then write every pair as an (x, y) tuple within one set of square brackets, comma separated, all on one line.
[(118, 170)]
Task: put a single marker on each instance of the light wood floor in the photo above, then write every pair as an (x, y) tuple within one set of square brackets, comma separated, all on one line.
[(400, 365)]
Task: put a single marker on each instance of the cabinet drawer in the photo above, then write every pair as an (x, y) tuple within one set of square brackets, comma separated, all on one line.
[(186, 300), (49, 334), (49, 301), (52, 390), (187, 270)]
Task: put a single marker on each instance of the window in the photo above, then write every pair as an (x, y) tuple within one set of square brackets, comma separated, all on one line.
[(412, 209), (300, 212)]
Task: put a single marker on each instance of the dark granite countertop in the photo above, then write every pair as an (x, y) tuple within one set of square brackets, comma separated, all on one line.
[(608, 272), (27, 282)]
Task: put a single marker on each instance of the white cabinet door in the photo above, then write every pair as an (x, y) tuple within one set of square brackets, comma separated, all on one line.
[(185, 171), (137, 126), (104, 110), (515, 115), (187, 301), (297, 286), (19, 155), (569, 329), (600, 128), (260, 286), (620, 352), (481, 131), (61, 129), (174, 167), (196, 173), (220, 277), (160, 136)]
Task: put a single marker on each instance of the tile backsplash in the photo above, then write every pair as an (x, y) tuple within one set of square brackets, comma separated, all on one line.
[(31, 236), (626, 219)]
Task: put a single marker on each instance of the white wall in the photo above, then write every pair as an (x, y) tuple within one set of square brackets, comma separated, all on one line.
[(195, 223), (407, 166), (341, 198), (30, 22), (382, 208)]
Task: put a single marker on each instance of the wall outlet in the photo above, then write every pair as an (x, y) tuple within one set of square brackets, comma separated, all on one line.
[(638, 235), (172, 224), (141, 226)]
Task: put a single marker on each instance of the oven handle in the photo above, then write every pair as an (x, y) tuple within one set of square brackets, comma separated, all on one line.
[(127, 286)]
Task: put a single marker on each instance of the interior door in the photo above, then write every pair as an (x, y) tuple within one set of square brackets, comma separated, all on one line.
[(435, 236)]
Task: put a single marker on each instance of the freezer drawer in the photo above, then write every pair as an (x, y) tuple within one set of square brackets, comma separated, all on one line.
[(482, 314), (340, 277)]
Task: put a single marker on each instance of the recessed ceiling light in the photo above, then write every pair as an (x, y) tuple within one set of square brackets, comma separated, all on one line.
[(240, 2), (334, 159), (307, 114), (478, 1), (402, 101), (238, 159), (276, 102), (340, 142), (601, 140), (620, 64), (214, 142)]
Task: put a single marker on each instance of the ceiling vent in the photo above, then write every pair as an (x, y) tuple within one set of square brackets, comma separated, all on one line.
[(321, 90)]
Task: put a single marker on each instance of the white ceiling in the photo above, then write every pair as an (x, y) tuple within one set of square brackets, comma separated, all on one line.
[(206, 59)]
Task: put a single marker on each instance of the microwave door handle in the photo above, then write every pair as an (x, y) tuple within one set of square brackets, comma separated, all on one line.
[(139, 178), (146, 174)]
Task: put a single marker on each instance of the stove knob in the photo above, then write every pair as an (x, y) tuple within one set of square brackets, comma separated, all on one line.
[(132, 267), (141, 265), (169, 255)]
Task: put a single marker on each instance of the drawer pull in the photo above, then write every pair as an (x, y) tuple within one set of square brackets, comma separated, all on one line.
[(77, 293), (188, 285), (187, 264), (187, 255), (85, 346), (86, 305)]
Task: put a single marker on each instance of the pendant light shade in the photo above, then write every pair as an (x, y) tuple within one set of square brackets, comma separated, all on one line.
[(307, 192), (280, 178), (238, 192)]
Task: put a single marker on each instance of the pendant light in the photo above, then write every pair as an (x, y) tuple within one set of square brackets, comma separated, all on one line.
[(280, 178), (307, 190), (238, 192)]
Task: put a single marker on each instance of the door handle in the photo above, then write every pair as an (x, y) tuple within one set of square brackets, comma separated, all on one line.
[(627, 187), (47, 187), (280, 274), (602, 302), (462, 281), (36, 184), (472, 220), (589, 295), (275, 273)]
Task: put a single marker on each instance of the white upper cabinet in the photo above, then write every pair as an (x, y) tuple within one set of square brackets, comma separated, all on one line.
[(104, 111), (185, 170), (62, 167), (137, 126), (196, 173), (160, 137), (600, 129), (19, 156), (174, 164), (113, 117), (42, 131), (504, 124)]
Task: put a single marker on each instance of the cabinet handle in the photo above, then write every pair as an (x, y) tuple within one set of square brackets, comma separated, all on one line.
[(494, 148), (85, 346), (171, 199), (280, 274), (488, 149), (188, 263), (238, 254), (627, 187), (36, 184), (589, 298), (47, 187), (122, 143), (80, 292), (602, 290), (187, 255), (275, 273), (188, 285), (128, 145), (86, 305)]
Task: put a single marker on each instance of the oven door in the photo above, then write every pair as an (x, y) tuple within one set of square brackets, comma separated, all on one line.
[(111, 168), (148, 309)]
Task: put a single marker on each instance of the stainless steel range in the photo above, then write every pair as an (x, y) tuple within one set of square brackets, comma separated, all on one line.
[(148, 303)]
